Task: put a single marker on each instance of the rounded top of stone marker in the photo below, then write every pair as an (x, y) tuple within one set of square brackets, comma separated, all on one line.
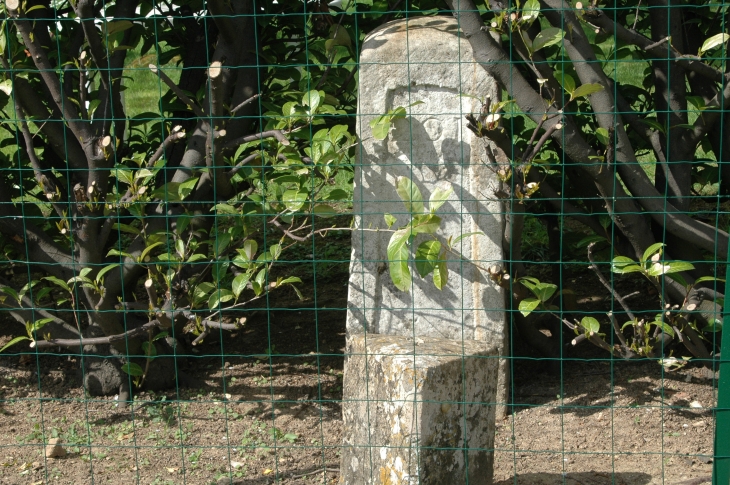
[(417, 40), (444, 23)]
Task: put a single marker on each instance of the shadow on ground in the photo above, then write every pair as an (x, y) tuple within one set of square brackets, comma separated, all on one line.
[(583, 478)]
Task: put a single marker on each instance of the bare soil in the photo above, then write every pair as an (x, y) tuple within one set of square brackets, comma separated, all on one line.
[(269, 412)]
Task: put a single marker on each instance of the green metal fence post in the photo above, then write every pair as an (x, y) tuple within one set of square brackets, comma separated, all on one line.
[(721, 472)]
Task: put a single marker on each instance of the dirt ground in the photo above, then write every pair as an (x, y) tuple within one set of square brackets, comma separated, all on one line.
[(269, 412)]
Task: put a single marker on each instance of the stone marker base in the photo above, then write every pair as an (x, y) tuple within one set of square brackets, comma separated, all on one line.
[(418, 411)]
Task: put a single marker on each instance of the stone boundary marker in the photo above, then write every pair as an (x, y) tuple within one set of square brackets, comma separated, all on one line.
[(424, 414), (425, 350)]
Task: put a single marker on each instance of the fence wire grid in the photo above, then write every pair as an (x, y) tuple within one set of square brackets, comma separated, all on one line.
[(182, 185)]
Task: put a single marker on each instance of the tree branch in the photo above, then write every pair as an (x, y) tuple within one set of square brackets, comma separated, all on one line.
[(623, 209), (222, 17), (108, 340), (47, 73), (178, 92), (626, 36), (579, 50), (608, 285), (231, 144)]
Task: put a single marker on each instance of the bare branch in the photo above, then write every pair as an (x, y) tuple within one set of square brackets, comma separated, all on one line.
[(245, 103), (212, 324), (235, 143), (215, 77), (85, 12), (108, 340), (243, 163), (608, 285), (47, 72), (178, 92)]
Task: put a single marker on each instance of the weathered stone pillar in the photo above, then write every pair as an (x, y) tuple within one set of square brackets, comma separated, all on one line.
[(422, 416), (406, 61)]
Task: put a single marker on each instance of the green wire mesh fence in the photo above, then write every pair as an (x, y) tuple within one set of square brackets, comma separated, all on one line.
[(178, 184)]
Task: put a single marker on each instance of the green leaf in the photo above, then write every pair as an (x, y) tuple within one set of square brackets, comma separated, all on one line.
[(583, 243), (602, 135), (289, 280), (380, 127), (547, 37), (398, 263), (703, 279), (439, 197), (160, 335), (187, 187), (180, 248), (127, 228), (13, 342), (261, 277), (105, 270), (311, 99), (146, 251), (590, 324), (653, 124), (324, 210), (565, 80), (294, 199), (339, 194), (585, 90), (3, 41), (239, 284), (132, 369), (117, 26), (115, 252), (149, 349), (622, 264), (41, 293), (223, 241), (651, 250), (220, 268), (528, 305), (389, 220), (666, 328), (678, 267), (170, 192), (530, 11), (468, 234), (544, 291), (249, 248), (425, 224), (40, 323), (397, 240), (427, 255), (441, 272), (10, 291), (225, 209), (200, 293), (713, 42), (57, 282), (275, 251), (410, 195), (679, 279), (714, 326), (218, 297), (659, 268)]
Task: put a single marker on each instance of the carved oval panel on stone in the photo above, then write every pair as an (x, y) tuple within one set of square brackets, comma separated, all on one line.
[(433, 128)]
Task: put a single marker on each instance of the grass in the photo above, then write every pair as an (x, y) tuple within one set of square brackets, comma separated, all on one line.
[(144, 88)]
